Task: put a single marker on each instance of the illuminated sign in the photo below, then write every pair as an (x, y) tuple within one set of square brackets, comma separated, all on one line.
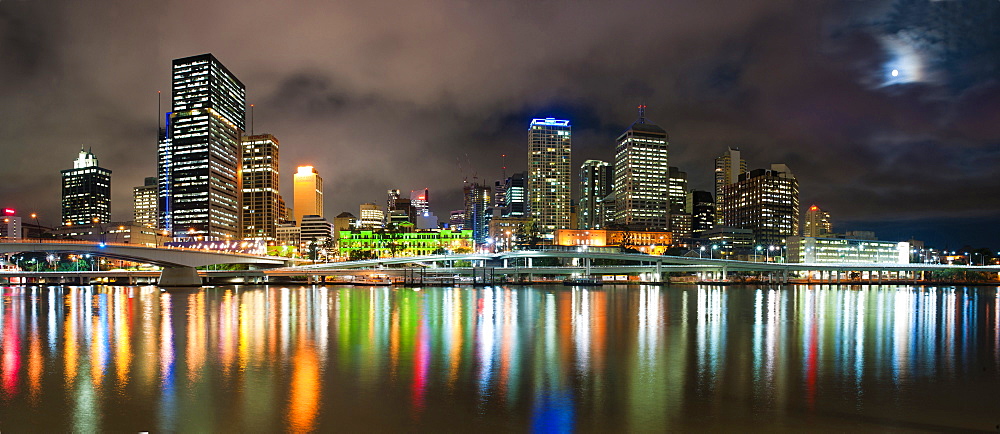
[(8, 211)]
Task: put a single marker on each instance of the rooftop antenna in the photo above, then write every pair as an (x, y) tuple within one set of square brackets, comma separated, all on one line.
[(642, 113), (251, 119), (504, 162), (159, 110)]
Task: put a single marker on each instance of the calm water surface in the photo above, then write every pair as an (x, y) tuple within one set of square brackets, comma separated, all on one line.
[(255, 358)]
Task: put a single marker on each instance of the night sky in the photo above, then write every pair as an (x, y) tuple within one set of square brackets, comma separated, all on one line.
[(407, 95)]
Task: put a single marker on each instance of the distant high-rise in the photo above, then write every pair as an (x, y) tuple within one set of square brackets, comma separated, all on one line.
[(307, 193), (420, 199), (680, 217), (477, 201), (549, 174), (86, 192), (642, 182), (702, 211), (199, 151), (728, 168), (372, 216), (144, 203), (764, 201), (515, 200), (391, 197), (262, 204), (817, 223), (595, 185)]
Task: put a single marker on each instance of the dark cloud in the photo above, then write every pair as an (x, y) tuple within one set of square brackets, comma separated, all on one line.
[(407, 95)]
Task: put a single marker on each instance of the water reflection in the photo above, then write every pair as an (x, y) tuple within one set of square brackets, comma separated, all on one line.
[(545, 359)]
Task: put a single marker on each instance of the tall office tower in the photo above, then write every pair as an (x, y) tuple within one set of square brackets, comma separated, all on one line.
[(595, 185), (420, 199), (86, 192), (549, 174), (372, 217), (765, 201), (307, 193), (642, 183), (477, 202), (515, 200), (144, 203), (391, 197), (681, 221), (817, 223), (261, 197), (728, 168), (702, 211), (199, 152)]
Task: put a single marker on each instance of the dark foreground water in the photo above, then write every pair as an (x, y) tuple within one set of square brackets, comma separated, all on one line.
[(262, 359)]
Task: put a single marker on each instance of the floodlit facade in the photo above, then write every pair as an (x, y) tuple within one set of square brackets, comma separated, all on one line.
[(642, 182), (651, 242), (596, 177), (307, 193), (86, 192), (199, 154), (549, 174), (819, 250), (764, 201), (816, 223), (404, 243), (728, 168), (261, 197), (144, 203)]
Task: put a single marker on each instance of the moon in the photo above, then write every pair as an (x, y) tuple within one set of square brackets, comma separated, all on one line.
[(895, 73)]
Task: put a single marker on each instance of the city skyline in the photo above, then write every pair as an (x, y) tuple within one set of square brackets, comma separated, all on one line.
[(912, 151)]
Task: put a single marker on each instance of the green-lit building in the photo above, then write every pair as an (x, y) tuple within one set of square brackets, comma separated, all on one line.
[(366, 243)]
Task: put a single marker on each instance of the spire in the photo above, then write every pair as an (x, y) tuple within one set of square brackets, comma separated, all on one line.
[(642, 113)]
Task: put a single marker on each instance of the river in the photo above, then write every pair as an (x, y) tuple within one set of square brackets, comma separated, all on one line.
[(546, 358)]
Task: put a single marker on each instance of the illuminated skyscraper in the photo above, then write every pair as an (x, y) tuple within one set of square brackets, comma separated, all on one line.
[(199, 152), (144, 203), (728, 168), (595, 185), (86, 192), (307, 193), (549, 174), (642, 182), (261, 197), (764, 201), (817, 223)]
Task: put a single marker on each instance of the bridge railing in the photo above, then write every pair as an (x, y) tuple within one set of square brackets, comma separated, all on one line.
[(107, 244)]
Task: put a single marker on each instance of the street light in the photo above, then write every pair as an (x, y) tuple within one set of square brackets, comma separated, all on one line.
[(700, 251), (714, 248), (756, 252)]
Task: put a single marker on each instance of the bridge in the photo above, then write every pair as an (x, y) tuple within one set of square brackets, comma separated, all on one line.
[(178, 262), (650, 268), (522, 265)]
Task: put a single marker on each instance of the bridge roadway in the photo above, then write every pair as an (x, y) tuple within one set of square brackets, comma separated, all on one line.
[(649, 268), (178, 262)]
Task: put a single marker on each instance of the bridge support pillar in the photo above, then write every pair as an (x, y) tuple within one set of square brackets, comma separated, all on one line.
[(179, 276)]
